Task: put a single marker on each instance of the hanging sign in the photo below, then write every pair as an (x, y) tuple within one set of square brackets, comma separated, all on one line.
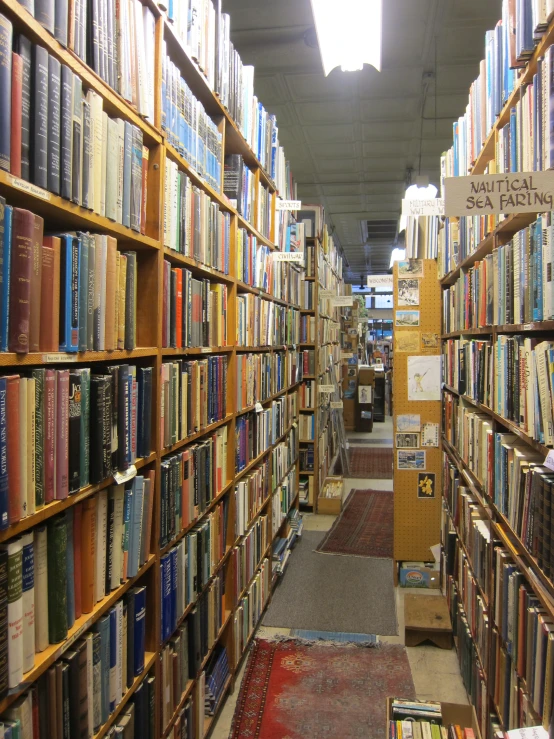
[(288, 204), (324, 294), (379, 281), (430, 207), (492, 194), (337, 405), (342, 300), (288, 256), (326, 388)]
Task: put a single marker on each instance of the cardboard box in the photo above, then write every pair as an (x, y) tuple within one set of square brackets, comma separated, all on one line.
[(349, 413), (331, 506), (452, 713), (419, 575), (366, 375)]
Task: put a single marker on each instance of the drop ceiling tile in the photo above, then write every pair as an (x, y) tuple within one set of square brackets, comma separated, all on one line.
[(346, 166), (337, 132), (385, 148), (372, 164), (391, 108), (332, 150), (377, 130), (316, 87), (327, 112)]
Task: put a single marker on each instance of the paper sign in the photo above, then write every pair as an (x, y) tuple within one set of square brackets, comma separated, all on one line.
[(38, 192), (258, 407), (288, 256), (326, 389), (121, 477), (327, 294), (337, 405), (352, 332), (58, 357), (334, 324), (519, 192), (346, 355), (429, 207), (288, 204), (379, 281), (549, 461), (343, 300)]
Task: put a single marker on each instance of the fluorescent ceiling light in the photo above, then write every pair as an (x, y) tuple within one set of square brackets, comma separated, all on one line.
[(397, 255), (349, 33)]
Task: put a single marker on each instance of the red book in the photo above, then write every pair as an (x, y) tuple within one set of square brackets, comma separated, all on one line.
[(179, 309), (36, 284), (62, 438), (23, 234), (77, 525), (17, 92), (88, 537), (14, 474), (46, 339), (49, 434), (50, 331), (166, 282)]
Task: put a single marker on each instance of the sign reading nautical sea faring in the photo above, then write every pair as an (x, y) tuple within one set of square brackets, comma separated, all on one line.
[(518, 192)]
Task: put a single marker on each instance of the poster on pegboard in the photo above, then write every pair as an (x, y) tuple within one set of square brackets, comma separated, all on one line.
[(416, 389)]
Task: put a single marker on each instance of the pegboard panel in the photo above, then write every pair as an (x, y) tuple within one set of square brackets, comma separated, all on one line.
[(417, 520)]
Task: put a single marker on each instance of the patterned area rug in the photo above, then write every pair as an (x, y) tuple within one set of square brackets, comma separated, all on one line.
[(296, 690), (370, 464), (365, 526)]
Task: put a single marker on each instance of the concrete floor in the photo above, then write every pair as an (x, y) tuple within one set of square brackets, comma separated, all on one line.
[(435, 672)]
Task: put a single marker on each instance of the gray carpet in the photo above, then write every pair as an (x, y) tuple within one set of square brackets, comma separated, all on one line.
[(325, 592)]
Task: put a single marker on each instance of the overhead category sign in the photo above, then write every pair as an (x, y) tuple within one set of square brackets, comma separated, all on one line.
[(493, 194), (288, 204), (430, 207), (379, 281)]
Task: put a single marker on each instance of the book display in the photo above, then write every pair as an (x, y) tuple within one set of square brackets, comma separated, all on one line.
[(496, 272), (320, 349), (153, 366)]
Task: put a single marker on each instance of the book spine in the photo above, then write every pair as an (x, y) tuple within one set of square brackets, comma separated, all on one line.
[(75, 441), (66, 130), (57, 579), (20, 279), (85, 427), (86, 169), (140, 631), (41, 589), (62, 429), (39, 377), (61, 17), (16, 113), (4, 626), (4, 499), (49, 435), (6, 38), (47, 341), (28, 601), (39, 150), (15, 612), (136, 178), (36, 283), (24, 48), (54, 119)]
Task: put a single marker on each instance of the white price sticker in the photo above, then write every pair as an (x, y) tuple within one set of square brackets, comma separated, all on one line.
[(258, 407), (121, 477), (549, 461)]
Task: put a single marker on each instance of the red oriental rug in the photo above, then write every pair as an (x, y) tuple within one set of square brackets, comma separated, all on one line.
[(296, 690), (365, 526), (371, 464)]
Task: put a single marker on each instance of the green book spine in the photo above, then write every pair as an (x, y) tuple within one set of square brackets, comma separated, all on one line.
[(57, 579), (85, 424), (39, 376)]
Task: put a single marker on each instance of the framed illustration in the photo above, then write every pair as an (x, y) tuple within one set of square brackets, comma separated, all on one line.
[(408, 422), (410, 268), (426, 485), (407, 441), (424, 378), (408, 292), (413, 460), (407, 318)]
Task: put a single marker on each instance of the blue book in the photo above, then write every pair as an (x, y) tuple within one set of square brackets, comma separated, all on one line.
[(103, 629), (83, 292), (173, 600), (166, 596), (5, 262), (113, 658), (139, 629), (127, 156), (70, 582), (69, 293), (4, 521), (136, 519)]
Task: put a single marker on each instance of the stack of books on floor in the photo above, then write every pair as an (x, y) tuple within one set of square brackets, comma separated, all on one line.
[(412, 719)]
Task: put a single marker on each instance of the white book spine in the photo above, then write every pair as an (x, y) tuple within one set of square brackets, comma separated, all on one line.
[(103, 163), (117, 563), (41, 589), (15, 612)]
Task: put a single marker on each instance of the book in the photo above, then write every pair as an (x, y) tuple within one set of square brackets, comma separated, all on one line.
[(15, 650)]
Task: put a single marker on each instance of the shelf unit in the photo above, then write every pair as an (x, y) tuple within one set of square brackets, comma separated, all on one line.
[(481, 493), (326, 265), (60, 214)]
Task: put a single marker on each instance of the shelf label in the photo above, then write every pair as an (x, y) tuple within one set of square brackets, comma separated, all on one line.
[(491, 194), (428, 207), (258, 408), (29, 188), (528, 327), (346, 355), (121, 477), (58, 357), (337, 405), (288, 204), (325, 388), (288, 256), (342, 300), (334, 324), (327, 294), (379, 281)]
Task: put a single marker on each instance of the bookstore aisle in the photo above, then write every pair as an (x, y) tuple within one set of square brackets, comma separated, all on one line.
[(435, 672)]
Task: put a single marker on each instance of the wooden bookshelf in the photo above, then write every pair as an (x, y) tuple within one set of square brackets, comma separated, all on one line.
[(501, 532), (62, 215)]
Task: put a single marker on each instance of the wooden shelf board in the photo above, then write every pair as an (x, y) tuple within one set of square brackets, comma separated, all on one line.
[(43, 660), (196, 351), (193, 437), (58, 506), (9, 359)]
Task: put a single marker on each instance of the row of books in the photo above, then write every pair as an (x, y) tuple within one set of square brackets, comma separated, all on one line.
[(83, 688), (250, 494), (62, 430), (283, 497), (521, 647), (193, 395), (260, 376), (289, 235), (468, 366), (283, 457), (256, 431), (422, 237), (258, 266), (188, 127), (239, 186), (246, 557), (250, 608), (218, 672), (138, 712), (308, 329), (307, 293), (193, 224), (262, 322), (190, 481), (66, 292), (471, 433), (306, 426), (264, 200), (174, 670), (459, 238), (194, 311), (73, 148), (307, 392), (417, 719)]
